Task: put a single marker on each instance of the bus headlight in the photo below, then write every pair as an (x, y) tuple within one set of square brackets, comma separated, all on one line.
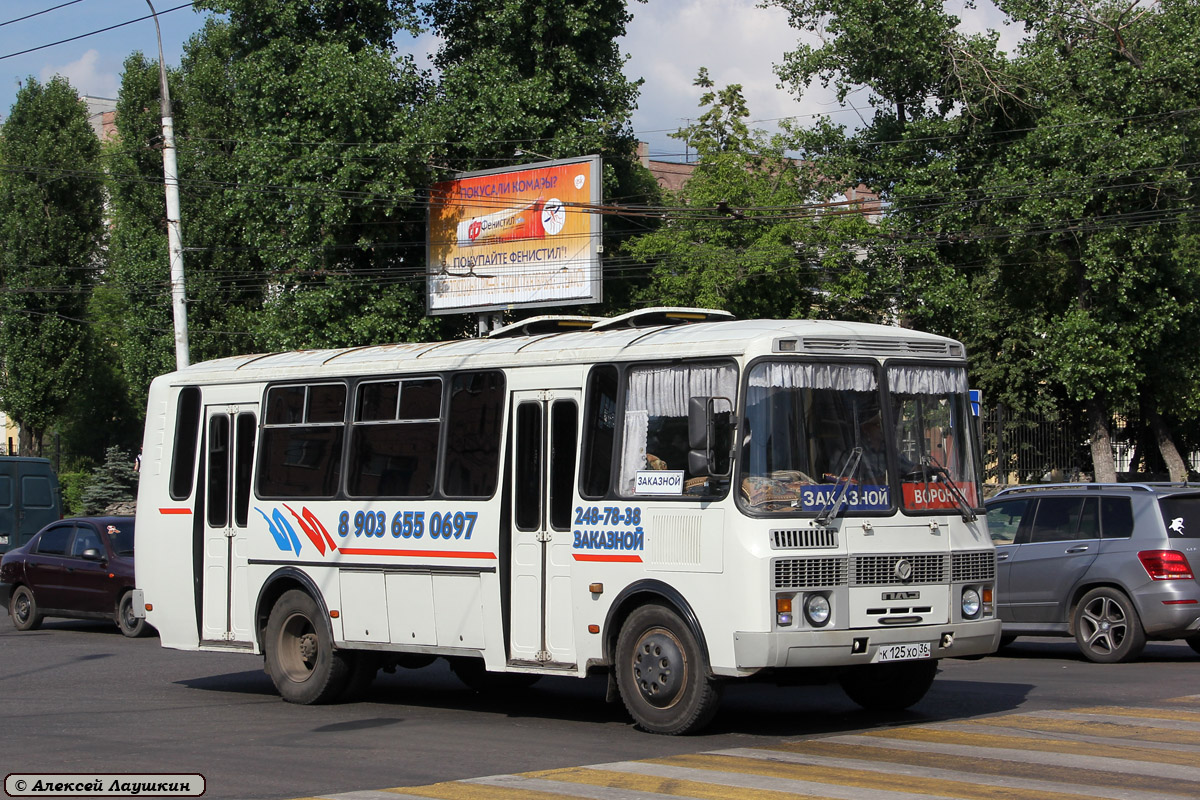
[(817, 610), (971, 604)]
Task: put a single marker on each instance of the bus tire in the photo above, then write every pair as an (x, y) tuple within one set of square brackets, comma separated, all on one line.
[(662, 675), (22, 607), (889, 687), (301, 659)]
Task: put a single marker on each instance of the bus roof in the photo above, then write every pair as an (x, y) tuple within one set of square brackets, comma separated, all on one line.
[(656, 342)]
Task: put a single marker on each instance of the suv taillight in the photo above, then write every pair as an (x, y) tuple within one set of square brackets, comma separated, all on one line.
[(1166, 565)]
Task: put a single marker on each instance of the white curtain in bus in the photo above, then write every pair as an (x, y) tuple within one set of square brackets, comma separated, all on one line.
[(927, 380), (633, 446), (797, 375), (664, 391), (656, 407)]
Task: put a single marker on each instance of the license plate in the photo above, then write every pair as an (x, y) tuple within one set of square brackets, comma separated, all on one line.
[(901, 652)]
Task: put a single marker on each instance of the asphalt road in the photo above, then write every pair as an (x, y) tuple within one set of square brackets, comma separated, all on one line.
[(78, 697)]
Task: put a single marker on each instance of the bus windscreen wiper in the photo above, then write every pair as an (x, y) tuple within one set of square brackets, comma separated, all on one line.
[(849, 468), (940, 475)]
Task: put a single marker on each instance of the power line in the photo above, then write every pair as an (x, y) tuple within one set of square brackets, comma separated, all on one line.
[(39, 13), (92, 33)]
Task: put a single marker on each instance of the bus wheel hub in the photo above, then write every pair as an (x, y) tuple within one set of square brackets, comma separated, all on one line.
[(659, 668)]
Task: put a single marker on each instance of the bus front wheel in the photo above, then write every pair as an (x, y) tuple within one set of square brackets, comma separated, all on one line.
[(301, 659), (662, 675), (889, 687)]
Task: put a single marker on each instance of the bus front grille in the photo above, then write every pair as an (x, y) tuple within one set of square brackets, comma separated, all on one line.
[(807, 573), (803, 538), (898, 568), (977, 566)]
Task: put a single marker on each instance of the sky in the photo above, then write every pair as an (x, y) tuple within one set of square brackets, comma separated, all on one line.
[(667, 42)]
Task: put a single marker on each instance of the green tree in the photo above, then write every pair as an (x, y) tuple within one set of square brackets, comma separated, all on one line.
[(299, 158), (750, 234), (1039, 206), (325, 154), (327, 158), (542, 76), (51, 233), (112, 484)]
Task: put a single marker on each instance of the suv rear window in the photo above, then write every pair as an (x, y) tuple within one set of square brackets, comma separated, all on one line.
[(1064, 519), (1181, 514)]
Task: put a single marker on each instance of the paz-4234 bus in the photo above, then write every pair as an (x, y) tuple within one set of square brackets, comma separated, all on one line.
[(672, 497)]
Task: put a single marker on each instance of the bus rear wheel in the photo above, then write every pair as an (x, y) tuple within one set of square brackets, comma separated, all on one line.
[(662, 675), (301, 659), (889, 687)]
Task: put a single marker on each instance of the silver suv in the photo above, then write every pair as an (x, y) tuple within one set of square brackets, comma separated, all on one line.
[(1110, 564)]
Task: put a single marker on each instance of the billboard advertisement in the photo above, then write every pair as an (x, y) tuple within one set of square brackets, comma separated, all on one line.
[(518, 236)]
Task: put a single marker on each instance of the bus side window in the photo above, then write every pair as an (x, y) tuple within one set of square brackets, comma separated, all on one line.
[(246, 433), (654, 430), (564, 417), (599, 429), (394, 439), (301, 456), (474, 422), (183, 452)]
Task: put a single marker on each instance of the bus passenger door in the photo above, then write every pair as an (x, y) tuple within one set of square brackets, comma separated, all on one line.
[(545, 432), (230, 433)]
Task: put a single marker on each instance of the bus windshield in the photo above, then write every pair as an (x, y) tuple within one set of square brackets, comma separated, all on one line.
[(814, 431), (933, 441), (811, 430)]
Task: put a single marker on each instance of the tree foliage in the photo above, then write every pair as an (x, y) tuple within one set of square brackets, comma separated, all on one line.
[(112, 487), (51, 232), (1039, 205), (751, 236)]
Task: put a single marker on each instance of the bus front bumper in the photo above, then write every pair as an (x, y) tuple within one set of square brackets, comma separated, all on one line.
[(838, 648)]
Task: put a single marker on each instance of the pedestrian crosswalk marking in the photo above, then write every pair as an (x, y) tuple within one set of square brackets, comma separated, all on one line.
[(614, 777), (1109, 730), (1026, 747), (1123, 772), (1143, 713), (1114, 753)]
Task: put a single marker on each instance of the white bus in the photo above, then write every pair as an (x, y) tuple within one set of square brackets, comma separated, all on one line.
[(671, 496)]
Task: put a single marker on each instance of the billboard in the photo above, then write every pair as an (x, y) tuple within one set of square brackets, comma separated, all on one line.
[(523, 236)]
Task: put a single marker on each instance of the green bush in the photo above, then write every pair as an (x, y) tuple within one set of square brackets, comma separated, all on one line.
[(72, 485)]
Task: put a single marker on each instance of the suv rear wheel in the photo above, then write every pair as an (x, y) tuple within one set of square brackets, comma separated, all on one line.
[(1194, 642), (1107, 627)]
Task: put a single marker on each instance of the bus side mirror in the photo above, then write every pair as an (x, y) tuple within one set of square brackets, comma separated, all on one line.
[(710, 436)]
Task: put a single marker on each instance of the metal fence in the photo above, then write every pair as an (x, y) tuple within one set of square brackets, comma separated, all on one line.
[(1038, 448), (1032, 448)]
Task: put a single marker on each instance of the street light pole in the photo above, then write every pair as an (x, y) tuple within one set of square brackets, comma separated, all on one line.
[(171, 183)]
